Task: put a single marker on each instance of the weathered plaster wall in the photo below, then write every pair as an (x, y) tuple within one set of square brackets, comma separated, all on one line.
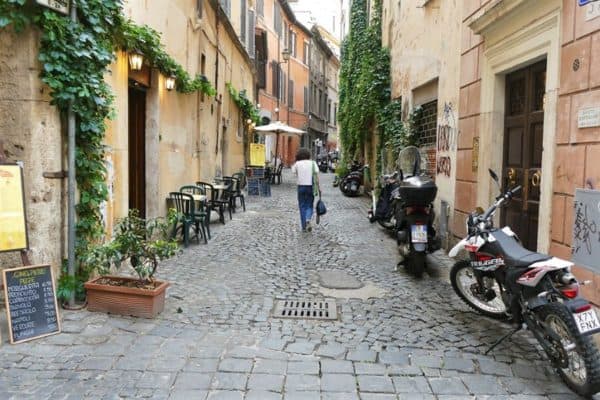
[(30, 130), (424, 45)]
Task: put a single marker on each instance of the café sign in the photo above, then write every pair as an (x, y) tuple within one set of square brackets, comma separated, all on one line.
[(62, 6)]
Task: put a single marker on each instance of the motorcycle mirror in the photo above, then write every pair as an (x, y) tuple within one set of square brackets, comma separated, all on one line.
[(401, 175), (479, 210)]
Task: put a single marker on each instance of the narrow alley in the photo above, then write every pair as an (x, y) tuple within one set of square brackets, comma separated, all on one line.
[(396, 337)]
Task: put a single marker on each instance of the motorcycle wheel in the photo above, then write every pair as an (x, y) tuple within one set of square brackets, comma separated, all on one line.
[(463, 282), (415, 263), (388, 224), (583, 371)]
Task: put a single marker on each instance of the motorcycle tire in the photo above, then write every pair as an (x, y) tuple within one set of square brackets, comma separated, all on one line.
[(556, 315), (465, 293), (389, 223), (415, 263)]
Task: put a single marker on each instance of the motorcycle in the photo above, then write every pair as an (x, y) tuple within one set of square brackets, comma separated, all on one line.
[(504, 280), (351, 183), (384, 209), (414, 212)]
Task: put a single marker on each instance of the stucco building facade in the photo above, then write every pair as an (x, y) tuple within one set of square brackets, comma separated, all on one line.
[(159, 140)]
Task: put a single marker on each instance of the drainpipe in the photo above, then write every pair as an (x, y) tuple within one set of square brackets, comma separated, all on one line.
[(71, 182)]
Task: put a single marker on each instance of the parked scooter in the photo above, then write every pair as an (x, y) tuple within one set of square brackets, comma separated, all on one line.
[(384, 209), (415, 233), (351, 183), (502, 279)]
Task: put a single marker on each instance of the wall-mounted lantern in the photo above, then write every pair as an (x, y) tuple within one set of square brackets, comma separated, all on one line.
[(170, 83), (136, 59), (285, 54)]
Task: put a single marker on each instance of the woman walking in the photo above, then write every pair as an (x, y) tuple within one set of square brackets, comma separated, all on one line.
[(307, 173)]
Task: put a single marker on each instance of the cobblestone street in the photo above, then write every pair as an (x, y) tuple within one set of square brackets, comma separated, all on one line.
[(396, 337)]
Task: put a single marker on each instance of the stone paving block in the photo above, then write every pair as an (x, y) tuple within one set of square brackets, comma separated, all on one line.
[(262, 395), (167, 365), (301, 347), (480, 385), (393, 357), (331, 350), (522, 386), (235, 365), (491, 367), (527, 372), (375, 383), (452, 386), (97, 363), (458, 364), (201, 365), (338, 383), (229, 381), (405, 384), (155, 380), (225, 395), (415, 396), (362, 355), (369, 368), (207, 352), (339, 396), (377, 396), (303, 367), (192, 380), (272, 354), (276, 367), (274, 344), (336, 367), (302, 383), (454, 397), (188, 394), (266, 382), (426, 361), (293, 395), (404, 370)]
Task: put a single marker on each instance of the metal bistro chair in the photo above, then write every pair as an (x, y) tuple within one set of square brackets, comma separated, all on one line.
[(201, 211), (184, 203), (277, 175), (226, 195), (237, 190), (213, 200)]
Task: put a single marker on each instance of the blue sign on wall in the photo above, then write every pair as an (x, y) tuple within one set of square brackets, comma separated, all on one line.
[(584, 2)]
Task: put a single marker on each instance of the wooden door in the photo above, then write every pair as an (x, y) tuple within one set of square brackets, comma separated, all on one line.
[(137, 150), (523, 137)]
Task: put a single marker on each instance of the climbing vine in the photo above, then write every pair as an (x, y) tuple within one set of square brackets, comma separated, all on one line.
[(246, 106), (74, 58)]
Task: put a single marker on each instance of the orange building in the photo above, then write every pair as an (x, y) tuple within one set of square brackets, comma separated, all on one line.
[(282, 63)]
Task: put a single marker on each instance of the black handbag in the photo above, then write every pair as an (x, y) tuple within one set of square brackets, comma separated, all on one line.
[(321, 209)]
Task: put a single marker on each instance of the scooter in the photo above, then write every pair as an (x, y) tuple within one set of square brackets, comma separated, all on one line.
[(415, 233), (351, 183), (384, 209)]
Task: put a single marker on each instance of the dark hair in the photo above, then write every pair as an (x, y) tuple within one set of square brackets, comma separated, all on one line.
[(303, 154)]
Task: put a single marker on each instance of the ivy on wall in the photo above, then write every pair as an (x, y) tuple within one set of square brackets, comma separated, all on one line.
[(366, 106), (74, 57)]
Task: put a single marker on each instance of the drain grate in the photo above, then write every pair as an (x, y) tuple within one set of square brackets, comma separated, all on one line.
[(305, 309)]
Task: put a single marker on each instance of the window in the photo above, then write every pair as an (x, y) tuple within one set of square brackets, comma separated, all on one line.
[(261, 59), (251, 38), (306, 53), (291, 94), (426, 126), (277, 19), (305, 99), (329, 111), (260, 7), (199, 8), (292, 44), (286, 32), (243, 21), (283, 81), (203, 72), (275, 78)]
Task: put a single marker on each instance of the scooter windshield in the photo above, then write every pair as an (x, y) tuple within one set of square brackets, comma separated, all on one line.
[(411, 162)]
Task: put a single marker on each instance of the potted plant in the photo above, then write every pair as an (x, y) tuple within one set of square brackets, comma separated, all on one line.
[(142, 244)]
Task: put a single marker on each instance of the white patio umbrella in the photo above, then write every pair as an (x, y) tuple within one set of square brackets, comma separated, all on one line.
[(279, 128)]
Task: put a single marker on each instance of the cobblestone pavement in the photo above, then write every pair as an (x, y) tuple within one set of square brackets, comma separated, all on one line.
[(216, 339)]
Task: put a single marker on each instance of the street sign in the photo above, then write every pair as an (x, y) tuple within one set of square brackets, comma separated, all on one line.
[(584, 2), (62, 6)]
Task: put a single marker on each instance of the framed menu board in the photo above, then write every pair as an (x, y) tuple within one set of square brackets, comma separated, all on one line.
[(30, 302), (13, 227)]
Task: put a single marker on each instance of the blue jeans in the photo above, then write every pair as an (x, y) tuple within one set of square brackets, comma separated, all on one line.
[(306, 200)]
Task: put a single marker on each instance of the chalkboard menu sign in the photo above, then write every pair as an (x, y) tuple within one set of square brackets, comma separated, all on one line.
[(30, 302)]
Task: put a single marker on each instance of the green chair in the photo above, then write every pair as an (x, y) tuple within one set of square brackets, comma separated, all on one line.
[(238, 189), (201, 210), (184, 204), (213, 200)]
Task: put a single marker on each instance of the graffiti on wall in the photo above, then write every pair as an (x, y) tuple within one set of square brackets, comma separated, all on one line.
[(586, 228), (447, 135)]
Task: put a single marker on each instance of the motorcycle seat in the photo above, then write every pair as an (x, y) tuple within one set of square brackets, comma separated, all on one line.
[(515, 255)]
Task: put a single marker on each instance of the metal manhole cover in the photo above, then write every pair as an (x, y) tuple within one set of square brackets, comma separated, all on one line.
[(305, 309)]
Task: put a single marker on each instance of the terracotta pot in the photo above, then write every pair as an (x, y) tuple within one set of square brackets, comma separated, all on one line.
[(123, 300)]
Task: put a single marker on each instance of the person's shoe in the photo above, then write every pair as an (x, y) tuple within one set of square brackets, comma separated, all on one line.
[(308, 226)]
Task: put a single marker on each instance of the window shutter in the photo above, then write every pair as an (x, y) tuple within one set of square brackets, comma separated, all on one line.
[(275, 80), (291, 94), (251, 25), (305, 99), (260, 7), (243, 24)]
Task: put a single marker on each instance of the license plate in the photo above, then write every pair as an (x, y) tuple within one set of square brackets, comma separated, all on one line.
[(419, 233), (587, 321)]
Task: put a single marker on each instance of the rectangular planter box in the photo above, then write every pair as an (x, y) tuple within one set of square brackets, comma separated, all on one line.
[(124, 300)]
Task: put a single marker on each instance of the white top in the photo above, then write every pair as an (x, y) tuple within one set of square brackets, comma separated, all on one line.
[(304, 170)]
